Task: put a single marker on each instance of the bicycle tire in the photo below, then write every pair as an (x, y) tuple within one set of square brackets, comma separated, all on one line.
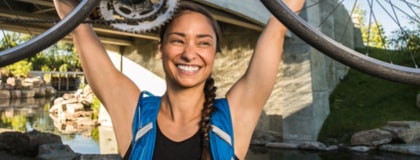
[(50, 36), (338, 51)]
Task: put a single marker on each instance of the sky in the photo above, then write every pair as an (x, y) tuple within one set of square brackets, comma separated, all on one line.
[(382, 16)]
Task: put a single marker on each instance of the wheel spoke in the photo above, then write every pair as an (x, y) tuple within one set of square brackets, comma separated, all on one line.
[(46, 37), (383, 66)]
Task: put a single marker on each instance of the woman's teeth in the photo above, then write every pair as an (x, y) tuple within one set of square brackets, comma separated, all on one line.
[(188, 68)]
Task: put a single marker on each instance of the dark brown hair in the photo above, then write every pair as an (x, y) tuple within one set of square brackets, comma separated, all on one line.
[(209, 88), (210, 95), (191, 6)]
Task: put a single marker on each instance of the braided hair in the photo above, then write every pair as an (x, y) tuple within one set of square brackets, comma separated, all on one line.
[(210, 95)]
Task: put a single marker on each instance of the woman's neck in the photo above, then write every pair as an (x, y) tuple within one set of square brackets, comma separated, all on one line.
[(183, 105)]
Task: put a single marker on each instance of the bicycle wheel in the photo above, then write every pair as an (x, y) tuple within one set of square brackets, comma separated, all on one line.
[(378, 67), (43, 35)]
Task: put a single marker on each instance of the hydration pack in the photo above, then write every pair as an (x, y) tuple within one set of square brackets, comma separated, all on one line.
[(144, 129)]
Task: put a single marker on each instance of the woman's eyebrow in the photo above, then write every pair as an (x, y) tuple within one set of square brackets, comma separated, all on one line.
[(177, 33), (184, 35), (205, 35)]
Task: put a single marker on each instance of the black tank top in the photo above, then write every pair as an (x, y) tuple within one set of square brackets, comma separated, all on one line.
[(189, 149), (166, 149)]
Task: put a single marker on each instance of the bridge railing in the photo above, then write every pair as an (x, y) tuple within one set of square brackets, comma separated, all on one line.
[(62, 81)]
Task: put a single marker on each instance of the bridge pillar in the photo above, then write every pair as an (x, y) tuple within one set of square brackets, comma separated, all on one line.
[(312, 77)]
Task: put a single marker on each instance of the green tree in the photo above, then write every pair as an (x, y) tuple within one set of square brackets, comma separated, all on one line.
[(12, 39), (406, 40), (47, 77), (373, 34), (20, 69), (57, 55), (8, 41), (54, 57)]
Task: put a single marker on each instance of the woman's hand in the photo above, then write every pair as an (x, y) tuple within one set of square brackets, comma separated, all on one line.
[(294, 5), (64, 7)]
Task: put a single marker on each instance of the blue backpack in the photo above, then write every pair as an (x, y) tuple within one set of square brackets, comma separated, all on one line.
[(144, 129)]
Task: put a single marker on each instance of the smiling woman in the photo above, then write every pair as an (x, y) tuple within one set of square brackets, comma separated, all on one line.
[(188, 48), (187, 122)]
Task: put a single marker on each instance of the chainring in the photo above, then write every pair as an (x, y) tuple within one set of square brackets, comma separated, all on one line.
[(137, 18)]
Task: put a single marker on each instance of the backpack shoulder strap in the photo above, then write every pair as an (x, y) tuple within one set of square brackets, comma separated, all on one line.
[(144, 126), (221, 133)]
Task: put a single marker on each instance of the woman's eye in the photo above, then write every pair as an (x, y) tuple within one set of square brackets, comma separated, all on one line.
[(177, 41), (204, 44)]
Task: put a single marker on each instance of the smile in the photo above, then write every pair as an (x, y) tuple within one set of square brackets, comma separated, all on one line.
[(188, 68)]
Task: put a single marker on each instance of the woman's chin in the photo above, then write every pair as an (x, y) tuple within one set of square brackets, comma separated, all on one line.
[(190, 83)]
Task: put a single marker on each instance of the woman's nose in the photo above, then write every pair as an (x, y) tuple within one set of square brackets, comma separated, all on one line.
[(189, 52)]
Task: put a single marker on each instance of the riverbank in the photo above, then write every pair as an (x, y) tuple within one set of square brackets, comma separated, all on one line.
[(7, 156), (41, 146), (362, 102), (24, 89)]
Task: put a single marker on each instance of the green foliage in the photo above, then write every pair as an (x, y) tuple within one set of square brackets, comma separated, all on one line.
[(45, 68), (10, 40), (360, 14), (362, 102), (373, 33), (39, 61), (18, 121), (64, 68), (81, 84), (20, 69), (6, 43), (54, 57), (407, 40), (95, 134), (58, 55), (47, 77), (96, 105)]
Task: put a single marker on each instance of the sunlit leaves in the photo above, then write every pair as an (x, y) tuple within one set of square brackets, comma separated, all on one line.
[(20, 69), (61, 54)]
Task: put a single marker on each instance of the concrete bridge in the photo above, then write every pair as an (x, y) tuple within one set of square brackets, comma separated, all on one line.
[(299, 102)]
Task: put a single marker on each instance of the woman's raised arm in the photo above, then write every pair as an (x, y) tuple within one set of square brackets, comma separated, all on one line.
[(117, 92), (248, 96)]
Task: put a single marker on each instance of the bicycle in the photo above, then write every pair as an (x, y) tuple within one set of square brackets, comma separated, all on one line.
[(301, 28)]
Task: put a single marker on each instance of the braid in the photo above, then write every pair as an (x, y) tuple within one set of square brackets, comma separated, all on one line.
[(210, 93)]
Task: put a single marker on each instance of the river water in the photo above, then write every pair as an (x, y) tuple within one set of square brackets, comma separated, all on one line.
[(29, 114)]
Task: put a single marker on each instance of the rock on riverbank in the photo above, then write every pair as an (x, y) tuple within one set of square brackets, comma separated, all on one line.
[(15, 88), (40, 146), (397, 136)]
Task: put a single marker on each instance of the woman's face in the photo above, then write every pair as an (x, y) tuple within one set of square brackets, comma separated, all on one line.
[(188, 49)]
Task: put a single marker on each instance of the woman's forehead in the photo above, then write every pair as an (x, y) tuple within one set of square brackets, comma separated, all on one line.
[(191, 22)]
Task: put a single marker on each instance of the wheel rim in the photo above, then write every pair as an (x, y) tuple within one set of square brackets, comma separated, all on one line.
[(51, 36), (340, 52)]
